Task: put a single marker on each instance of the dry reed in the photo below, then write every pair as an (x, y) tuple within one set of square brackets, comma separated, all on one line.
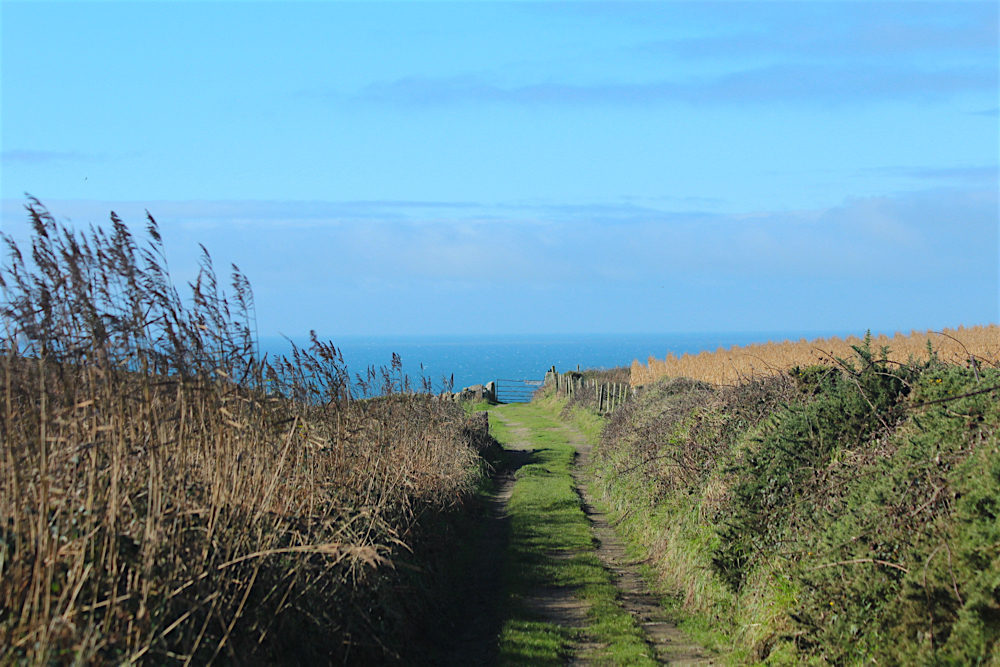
[(168, 496)]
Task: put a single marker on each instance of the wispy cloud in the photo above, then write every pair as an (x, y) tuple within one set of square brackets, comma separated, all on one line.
[(994, 112), (862, 35), (799, 83), (202, 213), (762, 53), (950, 229), (26, 156), (938, 241), (977, 175)]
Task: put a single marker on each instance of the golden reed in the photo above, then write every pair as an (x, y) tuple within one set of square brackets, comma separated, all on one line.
[(735, 364)]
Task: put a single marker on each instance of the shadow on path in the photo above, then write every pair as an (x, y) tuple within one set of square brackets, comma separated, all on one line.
[(481, 606), (480, 599)]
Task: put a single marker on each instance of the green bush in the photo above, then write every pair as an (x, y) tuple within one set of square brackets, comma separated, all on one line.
[(918, 539), (845, 513), (776, 480)]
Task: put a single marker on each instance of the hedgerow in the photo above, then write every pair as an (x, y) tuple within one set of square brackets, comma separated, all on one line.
[(842, 513)]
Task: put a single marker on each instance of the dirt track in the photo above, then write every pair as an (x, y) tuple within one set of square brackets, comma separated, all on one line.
[(482, 601), (558, 605), (671, 644)]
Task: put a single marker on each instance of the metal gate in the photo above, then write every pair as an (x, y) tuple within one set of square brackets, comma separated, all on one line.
[(517, 391)]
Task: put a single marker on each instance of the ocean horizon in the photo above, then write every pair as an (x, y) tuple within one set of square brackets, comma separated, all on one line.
[(477, 359)]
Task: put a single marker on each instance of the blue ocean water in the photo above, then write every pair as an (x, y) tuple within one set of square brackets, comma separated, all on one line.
[(479, 359)]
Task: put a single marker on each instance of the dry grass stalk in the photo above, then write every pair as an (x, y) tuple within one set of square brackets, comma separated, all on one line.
[(167, 494), (732, 366)]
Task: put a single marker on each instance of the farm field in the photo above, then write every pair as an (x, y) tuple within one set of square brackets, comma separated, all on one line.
[(730, 366)]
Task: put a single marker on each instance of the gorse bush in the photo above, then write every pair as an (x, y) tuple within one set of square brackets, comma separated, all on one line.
[(843, 513), (776, 477), (659, 450), (919, 534), (167, 495)]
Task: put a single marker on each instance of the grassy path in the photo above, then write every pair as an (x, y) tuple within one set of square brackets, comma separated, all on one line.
[(571, 599)]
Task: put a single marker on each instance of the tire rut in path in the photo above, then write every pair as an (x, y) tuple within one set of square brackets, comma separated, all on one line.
[(558, 605), (671, 644), (476, 640)]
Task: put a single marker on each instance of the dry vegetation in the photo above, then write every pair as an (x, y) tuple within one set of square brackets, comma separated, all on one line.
[(737, 364), (166, 496)]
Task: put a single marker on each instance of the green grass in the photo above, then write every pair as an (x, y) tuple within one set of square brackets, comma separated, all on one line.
[(551, 545), (638, 530), (475, 406)]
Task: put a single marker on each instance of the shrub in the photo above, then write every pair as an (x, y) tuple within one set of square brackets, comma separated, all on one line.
[(776, 479), (917, 533), (844, 513)]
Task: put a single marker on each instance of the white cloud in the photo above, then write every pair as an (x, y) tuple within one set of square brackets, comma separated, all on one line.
[(943, 235)]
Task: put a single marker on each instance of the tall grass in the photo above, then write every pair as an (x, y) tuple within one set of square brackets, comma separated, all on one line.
[(739, 363), (167, 495)]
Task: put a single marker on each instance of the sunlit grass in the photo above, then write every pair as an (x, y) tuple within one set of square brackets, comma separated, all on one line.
[(552, 545)]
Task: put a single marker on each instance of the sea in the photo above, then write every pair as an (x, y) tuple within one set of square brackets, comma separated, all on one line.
[(470, 359)]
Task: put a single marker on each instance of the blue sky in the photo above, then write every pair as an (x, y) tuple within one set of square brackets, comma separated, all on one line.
[(422, 168)]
